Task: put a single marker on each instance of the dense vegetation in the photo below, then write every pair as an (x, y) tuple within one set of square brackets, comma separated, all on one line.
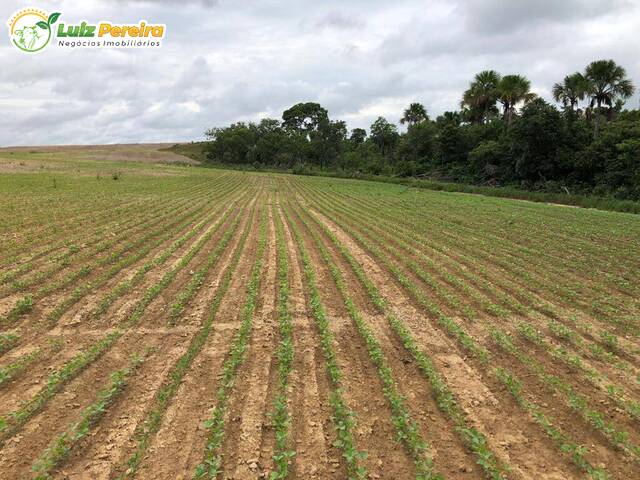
[(503, 134)]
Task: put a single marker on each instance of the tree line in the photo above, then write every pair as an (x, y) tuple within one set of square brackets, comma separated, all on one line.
[(502, 135)]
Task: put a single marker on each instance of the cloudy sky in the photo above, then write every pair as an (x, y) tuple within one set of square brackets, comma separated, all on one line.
[(229, 60)]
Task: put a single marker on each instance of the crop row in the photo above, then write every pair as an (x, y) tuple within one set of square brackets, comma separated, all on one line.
[(161, 235), (73, 253), (343, 417), (281, 414), (61, 213), (576, 401), (94, 225), (523, 228), (21, 364), (400, 234), (211, 464), (187, 209), (8, 341), (198, 276), (94, 244), (167, 392), (11, 423), (407, 430), (62, 445), (445, 399), (614, 391), (450, 297), (450, 326), (449, 233)]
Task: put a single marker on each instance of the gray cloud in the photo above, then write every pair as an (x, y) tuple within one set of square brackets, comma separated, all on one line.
[(338, 20), (250, 59), (499, 16), (151, 3)]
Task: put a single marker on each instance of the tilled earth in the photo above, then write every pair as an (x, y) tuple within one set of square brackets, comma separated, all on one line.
[(429, 333)]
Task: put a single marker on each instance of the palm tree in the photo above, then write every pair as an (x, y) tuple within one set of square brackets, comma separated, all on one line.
[(480, 99), (512, 90), (606, 83), (572, 89), (415, 113)]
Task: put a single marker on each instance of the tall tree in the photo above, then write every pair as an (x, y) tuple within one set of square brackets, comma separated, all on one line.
[(414, 114), (304, 117), (417, 148), (384, 135), (479, 100), (327, 141), (572, 89), (606, 83), (272, 142), (512, 90)]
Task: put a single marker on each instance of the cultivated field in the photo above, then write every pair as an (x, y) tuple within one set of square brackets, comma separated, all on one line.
[(170, 321)]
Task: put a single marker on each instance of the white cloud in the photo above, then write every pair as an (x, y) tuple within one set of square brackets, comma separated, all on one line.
[(224, 61)]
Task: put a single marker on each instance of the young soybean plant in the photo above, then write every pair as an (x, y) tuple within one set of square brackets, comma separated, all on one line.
[(14, 420), (573, 399), (197, 280), (18, 366), (127, 285), (212, 462), (407, 430), (343, 417), (566, 445), (165, 395), (62, 445), (8, 341), (445, 399), (281, 415)]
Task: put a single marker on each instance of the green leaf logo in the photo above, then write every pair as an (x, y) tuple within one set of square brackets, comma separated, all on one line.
[(31, 30)]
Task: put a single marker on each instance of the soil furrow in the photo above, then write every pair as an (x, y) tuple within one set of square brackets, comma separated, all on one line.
[(517, 442)]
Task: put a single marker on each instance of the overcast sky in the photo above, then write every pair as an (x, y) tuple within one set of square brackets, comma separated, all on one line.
[(229, 60)]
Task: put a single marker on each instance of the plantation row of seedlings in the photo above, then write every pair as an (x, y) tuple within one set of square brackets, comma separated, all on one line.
[(13, 420), (193, 207), (61, 237), (462, 295), (190, 225), (580, 403), (80, 361), (596, 346), (64, 260), (21, 363)]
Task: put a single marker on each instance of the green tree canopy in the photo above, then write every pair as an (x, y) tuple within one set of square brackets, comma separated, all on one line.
[(572, 89), (358, 136), (304, 117), (384, 134), (414, 113), (479, 100), (512, 90), (606, 83)]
